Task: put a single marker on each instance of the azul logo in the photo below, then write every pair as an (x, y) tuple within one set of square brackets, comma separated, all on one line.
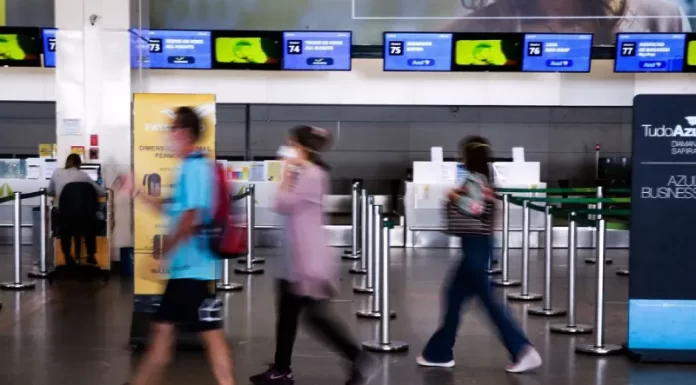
[(677, 131)]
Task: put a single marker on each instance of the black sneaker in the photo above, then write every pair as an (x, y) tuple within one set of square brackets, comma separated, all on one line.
[(273, 377), (364, 370)]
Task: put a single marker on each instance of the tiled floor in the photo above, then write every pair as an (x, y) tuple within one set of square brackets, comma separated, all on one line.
[(77, 334)]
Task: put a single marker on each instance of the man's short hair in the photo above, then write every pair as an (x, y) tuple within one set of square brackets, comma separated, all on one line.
[(187, 119)]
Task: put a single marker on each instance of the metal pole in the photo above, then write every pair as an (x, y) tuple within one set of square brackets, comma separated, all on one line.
[(225, 284), (547, 309), (354, 253), (43, 231), (375, 312), (17, 283), (571, 327), (384, 343), (592, 260), (524, 294), (369, 251), (505, 279), (362, 269), (599, 348), (251, 224)]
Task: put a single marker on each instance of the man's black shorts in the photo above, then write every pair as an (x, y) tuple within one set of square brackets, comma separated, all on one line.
[(190, 304)]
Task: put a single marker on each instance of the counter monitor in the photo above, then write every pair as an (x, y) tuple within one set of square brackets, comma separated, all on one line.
[(20, 47), (317, 51), (255, 50), (650, 52), (404, 51), (178, 49), (557, 52), (495, 52), (49, 47)]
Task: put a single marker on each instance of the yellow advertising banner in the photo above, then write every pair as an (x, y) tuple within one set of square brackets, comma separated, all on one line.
[(3, 20), (154, 169), (45, 150)]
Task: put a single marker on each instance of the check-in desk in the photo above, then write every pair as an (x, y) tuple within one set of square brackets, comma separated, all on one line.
[(105, 224)]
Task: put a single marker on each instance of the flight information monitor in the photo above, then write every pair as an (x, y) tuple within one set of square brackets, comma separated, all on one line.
[(20, 47), (317, 51), (249, 50), (650, 52), (495, 52), (405, 51), (172, 49), (557, 53), (49, 47)]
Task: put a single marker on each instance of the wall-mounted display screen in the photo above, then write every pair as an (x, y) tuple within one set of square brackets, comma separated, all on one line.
[(255, 50), (650, 52), (499, 52), (20, 47), (318, 51), (557, 53), (49, 47), (172, 49), (406, 51)]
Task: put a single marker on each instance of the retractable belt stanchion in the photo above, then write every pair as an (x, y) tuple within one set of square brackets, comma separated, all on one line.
[(524, 294), (505, 278), (384, 343), (375, 312), (362, 268), (593, 259), (225, 284), (599, 348), (571, 327), (368, 251), (43, 233), (254, 260), (547, 310), (17, 284), (251, 224), (354, 253)]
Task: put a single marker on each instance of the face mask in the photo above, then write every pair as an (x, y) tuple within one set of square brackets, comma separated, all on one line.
[(287, 152)]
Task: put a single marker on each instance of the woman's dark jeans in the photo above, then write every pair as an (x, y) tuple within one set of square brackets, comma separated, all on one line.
[(469, 280)]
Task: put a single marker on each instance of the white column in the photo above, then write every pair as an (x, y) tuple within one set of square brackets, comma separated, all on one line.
[(93, 90)]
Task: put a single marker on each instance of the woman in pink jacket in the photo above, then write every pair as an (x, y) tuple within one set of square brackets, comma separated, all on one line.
[(309, 276)]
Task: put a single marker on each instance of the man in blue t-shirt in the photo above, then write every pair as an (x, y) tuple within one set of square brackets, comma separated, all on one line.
[(189, 301)]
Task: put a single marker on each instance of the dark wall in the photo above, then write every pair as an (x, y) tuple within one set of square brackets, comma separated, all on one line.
[(378, 143)]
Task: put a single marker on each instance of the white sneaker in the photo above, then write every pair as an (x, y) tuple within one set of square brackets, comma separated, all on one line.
[(530, 360), (423, 362)]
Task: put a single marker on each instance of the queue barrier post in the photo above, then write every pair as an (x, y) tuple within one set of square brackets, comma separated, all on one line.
[(547, 310), (384, 344), (593, 259), (571, 327), (599, 347), (368, 251), (505, 280), (17, 283), (42, 273), (375, 311), (353, 254), (362, 267), (524, 294), (251, 224)]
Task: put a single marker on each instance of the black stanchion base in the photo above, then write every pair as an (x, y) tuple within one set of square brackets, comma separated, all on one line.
[(229, 287), (541, 312), (623, 272), (351, 257), (605, 350), (508, 283), (38, 274), (248, 270), (494, 271), (592, 261), (371, 314), (18, 286), (391, 347), (254, 261), (363, 290), (567, 329), (524, 297), (358, 270)]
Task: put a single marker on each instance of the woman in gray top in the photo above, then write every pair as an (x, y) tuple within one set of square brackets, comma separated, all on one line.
[(71, 173)]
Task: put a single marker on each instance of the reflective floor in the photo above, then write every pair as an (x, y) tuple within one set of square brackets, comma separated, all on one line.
[(76, 333)]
